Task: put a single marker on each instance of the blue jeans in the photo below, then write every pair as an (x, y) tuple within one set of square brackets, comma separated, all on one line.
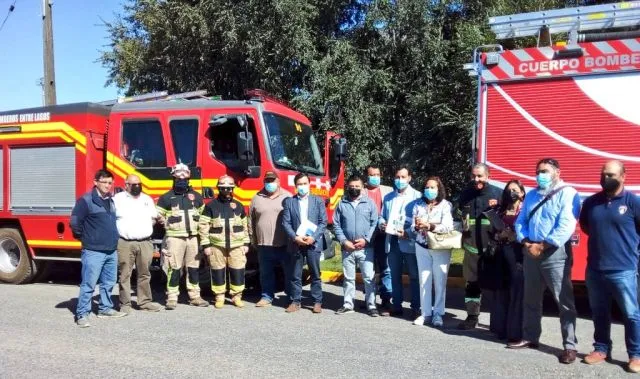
[(97, 267), (397, 261), (382, 261), (269, 257), (295, 269), (603, 286), (364, 259)]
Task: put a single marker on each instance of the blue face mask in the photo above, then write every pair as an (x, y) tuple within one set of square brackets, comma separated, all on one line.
[(374, 181), (401, 183), (544, 180), (302, 190), (430, 193), (270, 187)]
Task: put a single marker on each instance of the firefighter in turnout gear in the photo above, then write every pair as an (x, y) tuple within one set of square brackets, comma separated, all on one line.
[(478, 197), (225, 239), (179, 210)]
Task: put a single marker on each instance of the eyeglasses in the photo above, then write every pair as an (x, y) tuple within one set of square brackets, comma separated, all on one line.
[(103, 182)]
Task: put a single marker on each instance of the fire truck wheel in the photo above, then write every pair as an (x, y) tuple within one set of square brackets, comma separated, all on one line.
[(15, 264)]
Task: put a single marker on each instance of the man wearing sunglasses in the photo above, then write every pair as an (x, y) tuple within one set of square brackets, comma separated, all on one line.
[(225, 239), (93, 222)]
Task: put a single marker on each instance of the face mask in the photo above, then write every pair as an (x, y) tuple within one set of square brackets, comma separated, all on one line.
[(303, 190), (354, 193), (401, 183), (515, 196), (181, 185), (270, 187), (374, 181), (609, 185), (135, 189), (544, 180), (225, 192), (430, 193)]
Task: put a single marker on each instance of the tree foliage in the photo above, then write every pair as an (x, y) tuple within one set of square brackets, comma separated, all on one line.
[(387, 74)]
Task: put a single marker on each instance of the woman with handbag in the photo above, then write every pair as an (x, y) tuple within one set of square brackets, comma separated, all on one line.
[(432, 223), (506, 307)]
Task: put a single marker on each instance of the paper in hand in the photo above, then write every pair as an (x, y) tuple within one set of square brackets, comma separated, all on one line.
[(306, 228)]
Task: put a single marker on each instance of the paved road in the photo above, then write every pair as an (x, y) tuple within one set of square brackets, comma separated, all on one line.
[(39, 339)]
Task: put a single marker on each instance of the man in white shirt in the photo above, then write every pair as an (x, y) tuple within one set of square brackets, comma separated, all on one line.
[(135, 215)]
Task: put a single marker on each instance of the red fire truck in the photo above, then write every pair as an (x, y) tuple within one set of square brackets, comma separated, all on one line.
[(49, 156), (573, 101)]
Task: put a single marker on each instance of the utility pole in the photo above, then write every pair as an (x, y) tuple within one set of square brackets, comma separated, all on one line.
[(47, 52)]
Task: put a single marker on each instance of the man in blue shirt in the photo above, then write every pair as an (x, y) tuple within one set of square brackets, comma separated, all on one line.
[(611, 219), (545, 225)]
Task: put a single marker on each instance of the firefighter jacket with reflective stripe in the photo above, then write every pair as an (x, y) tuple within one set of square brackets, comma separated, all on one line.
[(223, 224), (477, 229), (181, 212)]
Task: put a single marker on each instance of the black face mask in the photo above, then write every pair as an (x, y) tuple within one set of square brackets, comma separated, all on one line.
[(354, 192), (609, 185), (135, 189), (225, 192), (181, 186), (515, 196)]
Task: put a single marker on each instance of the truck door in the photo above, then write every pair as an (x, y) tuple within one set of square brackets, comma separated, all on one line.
[(231, 145)]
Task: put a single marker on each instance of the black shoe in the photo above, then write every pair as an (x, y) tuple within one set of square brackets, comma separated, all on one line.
[(373, 312), (344, 310), (469, 324), (397, 313), (522, 344)]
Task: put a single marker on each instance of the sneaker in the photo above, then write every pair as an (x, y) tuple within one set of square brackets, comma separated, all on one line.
[(83, 322), (151, 307), (263, 303), (126, 309), (419, 320), (595, 357), (111, 313), (344, 311), (293, 307), (317, 308), (436, 321), (373, 312), (171, 305), (634, 365)]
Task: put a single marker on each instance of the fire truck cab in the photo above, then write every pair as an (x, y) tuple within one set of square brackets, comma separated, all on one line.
[(574, 101), (48, 157)]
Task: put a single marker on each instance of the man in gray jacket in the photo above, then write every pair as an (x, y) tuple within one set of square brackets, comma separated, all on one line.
[(355, 220)]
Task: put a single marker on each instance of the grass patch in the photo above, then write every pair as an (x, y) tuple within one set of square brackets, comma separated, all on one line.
[(335, 263)]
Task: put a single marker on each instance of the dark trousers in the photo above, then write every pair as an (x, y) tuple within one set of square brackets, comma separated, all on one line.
[(506, 304), (384, 272), (603, 287), (269, 257), (313, 263)]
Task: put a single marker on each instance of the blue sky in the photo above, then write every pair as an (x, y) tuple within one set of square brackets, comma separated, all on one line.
[(78, 38)]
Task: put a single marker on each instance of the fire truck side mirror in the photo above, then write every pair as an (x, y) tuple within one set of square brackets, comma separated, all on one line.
[(245, 146), (340, 149), (207, 192)]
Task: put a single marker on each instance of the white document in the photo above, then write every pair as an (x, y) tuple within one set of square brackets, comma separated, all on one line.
[(306, 228), (395, 224)]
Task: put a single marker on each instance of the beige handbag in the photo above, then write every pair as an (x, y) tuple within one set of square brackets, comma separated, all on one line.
[(444, 241)]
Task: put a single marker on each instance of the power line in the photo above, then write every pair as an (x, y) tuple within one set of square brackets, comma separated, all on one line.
[(11, 8)]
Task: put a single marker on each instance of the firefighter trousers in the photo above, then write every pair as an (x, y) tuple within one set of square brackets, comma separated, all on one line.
[(179, 252), (472, 292), (235, 260)]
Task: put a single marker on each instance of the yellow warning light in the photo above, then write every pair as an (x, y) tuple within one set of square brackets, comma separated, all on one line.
[(561, 43)]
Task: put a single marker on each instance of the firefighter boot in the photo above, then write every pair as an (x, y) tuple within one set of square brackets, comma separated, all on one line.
[(219, 301), (171, 304), (198, 302), (237, 301)]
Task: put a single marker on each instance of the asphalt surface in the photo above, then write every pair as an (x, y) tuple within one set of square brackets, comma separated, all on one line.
[(38, 338)]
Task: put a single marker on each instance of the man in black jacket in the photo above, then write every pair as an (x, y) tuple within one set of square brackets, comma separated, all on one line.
[(93, 221), (475, 199)]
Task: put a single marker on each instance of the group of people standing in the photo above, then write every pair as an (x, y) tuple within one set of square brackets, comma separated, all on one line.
[(516, 245)]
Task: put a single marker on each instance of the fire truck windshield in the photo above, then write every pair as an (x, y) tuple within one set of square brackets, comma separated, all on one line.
[(293, 145)]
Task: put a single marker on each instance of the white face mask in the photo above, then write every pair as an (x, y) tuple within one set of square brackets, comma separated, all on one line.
[(303, 190)]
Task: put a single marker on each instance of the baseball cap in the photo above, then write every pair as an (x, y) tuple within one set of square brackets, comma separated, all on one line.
[(270, 175)]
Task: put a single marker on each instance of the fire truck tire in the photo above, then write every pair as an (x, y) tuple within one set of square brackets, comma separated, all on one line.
[(16, 266)]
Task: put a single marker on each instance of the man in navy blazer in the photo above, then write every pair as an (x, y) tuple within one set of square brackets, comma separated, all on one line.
[(304, 206)]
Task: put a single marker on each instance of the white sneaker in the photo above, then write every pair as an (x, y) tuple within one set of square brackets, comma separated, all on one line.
[(419, 321)]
